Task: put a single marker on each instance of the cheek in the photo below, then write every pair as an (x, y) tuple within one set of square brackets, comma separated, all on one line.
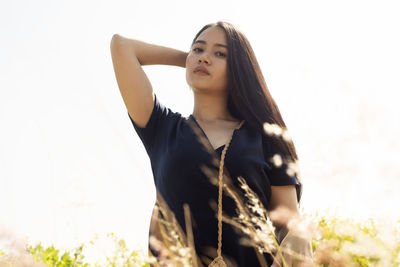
[(189, 60), (224, 75), (190, 64), (223, 70), (188, 68)]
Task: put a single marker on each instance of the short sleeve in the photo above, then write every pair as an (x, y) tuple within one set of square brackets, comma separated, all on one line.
[(155, 126), (278, 170)]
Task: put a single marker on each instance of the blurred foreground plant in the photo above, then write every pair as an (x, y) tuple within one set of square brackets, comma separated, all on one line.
[(337, 242), (15, 252)]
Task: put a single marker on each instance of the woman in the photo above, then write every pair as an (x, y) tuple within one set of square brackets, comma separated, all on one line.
[(226, 128)]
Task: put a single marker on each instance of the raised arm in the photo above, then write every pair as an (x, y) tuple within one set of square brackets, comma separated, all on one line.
[(128, 55)]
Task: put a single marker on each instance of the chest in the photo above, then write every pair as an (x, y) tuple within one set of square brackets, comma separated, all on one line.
[(184, 150), (217, 136)]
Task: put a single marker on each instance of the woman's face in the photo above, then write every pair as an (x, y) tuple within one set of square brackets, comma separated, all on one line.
[(210, 52)]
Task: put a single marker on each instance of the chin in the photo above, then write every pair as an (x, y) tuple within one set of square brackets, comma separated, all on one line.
[(198, 83)]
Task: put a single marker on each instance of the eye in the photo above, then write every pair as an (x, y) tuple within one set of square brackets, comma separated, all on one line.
[(220, 54), (197, 49)]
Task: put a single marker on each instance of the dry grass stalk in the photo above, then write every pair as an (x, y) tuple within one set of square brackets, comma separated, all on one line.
[(181, 250)]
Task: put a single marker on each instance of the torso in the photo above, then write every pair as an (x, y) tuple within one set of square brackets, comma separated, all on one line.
[(183, 168)]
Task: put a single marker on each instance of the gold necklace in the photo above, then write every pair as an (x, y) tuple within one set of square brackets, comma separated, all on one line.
[(219, 261)]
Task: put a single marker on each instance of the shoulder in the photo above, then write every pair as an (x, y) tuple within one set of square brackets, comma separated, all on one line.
[(162, 121), (273, 152)]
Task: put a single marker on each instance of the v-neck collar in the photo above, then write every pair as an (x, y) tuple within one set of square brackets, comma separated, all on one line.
[(208, 140), (207, 144)]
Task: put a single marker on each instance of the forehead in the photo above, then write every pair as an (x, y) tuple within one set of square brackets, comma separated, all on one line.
[(213, 35)]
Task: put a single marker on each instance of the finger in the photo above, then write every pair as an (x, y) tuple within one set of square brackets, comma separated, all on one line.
[(277, 262), (288, 259)]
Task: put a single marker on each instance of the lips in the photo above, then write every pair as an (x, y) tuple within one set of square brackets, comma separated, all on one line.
[(202, 70)]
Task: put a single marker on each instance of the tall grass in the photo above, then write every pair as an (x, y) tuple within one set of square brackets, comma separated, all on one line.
[(335, 242)]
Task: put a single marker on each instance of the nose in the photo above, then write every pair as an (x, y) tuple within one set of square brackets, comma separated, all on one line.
[(204, 58)]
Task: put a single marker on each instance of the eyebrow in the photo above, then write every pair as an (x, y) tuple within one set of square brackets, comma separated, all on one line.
[(204, 42)]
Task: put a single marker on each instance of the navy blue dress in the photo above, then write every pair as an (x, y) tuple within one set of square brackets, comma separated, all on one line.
[(179, 152)]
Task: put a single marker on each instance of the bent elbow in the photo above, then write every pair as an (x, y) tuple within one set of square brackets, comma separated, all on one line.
[(116, 39)]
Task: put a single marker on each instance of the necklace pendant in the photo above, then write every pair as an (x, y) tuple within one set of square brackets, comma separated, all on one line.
[(217, 262)]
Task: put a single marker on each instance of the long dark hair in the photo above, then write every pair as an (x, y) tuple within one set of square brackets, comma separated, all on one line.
[(248, 95)]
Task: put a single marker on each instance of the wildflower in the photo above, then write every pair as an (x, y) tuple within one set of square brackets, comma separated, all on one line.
[(277, 160), (272, 129)]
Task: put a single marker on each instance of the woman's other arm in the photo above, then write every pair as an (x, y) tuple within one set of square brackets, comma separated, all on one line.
[(128, 55), (285, 215), (156, 238), (282, 208)]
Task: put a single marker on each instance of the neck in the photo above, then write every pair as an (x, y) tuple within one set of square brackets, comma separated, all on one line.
[(211, 107)]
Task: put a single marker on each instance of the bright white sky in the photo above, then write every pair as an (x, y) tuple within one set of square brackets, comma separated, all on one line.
[(71, 164)]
